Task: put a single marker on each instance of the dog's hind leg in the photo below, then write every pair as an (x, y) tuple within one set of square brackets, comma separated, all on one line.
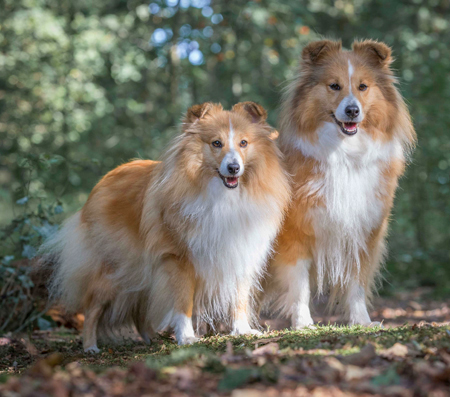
[(92, 317), (146, 333), (140, 320), (100, 292)]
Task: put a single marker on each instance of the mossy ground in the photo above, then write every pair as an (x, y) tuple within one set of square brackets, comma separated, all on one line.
[(408, 359), (322, 341)]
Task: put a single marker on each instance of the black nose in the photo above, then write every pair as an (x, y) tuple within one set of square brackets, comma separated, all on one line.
[(233, 168), (352, 111)]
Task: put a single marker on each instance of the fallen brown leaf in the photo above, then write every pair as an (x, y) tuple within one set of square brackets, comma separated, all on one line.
[(396, 351), (54, 359), (184, 377), (353, 373), (332, 370), (362, 358), (445, 357), (31, 349), (269, 349)]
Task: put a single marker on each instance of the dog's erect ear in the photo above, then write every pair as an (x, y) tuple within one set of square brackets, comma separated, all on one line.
[(317, 50), (379, 54), (255, 112), (198, 112)]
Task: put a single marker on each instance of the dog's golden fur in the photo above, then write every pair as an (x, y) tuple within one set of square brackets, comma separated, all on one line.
[(343, 186), (159, 242)]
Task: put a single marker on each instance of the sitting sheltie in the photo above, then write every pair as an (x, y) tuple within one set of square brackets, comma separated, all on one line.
[(159, 242), (345, 133)]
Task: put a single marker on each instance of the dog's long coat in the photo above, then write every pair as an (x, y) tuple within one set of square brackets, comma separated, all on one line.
[(345, 132), (159, 242)]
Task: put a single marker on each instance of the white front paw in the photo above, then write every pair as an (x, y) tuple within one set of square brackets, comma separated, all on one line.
[(184, 331), (255, 332), (188, 340), (302, 318), (92, 349), (365, 321), (247, 331), (242, 327), (304, 325)]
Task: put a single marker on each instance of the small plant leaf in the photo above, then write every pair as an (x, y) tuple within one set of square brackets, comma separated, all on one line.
[(28, 251), (22, 201), (46, 230)]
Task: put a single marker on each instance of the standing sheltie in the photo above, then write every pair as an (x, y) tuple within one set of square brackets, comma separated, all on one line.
[(159, 242), (345, 132)]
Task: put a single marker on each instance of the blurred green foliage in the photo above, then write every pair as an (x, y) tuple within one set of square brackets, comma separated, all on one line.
[(85, 86)]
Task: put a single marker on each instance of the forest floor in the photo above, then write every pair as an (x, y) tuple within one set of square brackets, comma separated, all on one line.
[(409, 356)]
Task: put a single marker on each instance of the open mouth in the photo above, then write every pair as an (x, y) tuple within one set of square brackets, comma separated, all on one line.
[(347, 128), (230, 182)]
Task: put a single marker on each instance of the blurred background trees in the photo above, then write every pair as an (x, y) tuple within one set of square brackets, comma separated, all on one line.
[(85, 86)]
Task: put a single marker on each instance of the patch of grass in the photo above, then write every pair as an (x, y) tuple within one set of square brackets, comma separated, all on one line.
[(3, 378), (328, 356), (323, 341)]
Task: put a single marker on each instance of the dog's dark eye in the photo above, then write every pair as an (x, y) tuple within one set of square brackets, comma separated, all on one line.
[(217, 144), (362, 87), (335, 87), (243, 143)]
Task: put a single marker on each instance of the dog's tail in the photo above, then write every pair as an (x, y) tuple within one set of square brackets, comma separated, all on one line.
[(71, 262)]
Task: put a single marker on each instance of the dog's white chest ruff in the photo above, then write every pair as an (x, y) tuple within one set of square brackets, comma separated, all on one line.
[(350, 182), (230, 242)]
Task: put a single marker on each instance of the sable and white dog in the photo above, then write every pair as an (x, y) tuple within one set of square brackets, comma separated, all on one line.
[(345, 133), (159, 242)]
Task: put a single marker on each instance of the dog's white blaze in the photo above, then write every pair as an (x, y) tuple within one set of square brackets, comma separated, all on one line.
[(231, 157), (349, 100), (231, 136), (350, 73)]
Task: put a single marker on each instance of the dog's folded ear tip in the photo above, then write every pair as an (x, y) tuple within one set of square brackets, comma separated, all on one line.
[(199, 111), (316, 50), (251, 109), (377, 51)]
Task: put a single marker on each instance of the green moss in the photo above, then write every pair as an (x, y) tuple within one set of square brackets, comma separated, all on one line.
[(322, 341)]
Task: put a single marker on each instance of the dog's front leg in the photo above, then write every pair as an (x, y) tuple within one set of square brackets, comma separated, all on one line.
[(241, 325), (92, 316), (182, 280), (299, 294), (360, 287), (356, 304)]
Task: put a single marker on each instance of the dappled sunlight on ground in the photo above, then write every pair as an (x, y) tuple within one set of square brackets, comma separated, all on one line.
[(403, 308), (409, 356)]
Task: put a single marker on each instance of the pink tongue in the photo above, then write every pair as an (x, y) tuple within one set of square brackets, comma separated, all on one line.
[(232, 181), (350, 126)]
